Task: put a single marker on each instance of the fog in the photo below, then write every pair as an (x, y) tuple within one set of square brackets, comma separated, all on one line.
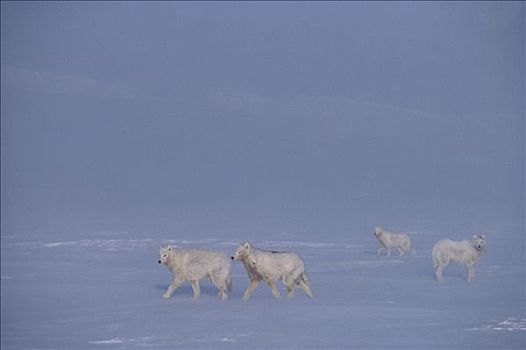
[(268, 118)]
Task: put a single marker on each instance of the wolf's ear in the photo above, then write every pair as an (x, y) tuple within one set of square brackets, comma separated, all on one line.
[(246, 245), (482, 236), (170, 248)]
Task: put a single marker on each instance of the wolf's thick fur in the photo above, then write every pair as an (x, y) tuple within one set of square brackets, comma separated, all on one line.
[(269, 266), (192, 265), (388, 240), (466, 252)]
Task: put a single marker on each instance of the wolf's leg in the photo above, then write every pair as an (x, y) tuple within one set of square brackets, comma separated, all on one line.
[(248, 292), (173, 286), (306, 289), (290, 290), (409, 249), (228, 285), (289, 282), (438, 273), (304, 284), (439, 270), (401, 251), (274, 289), (471, 272), (196, 288), (388, 251), (221, 286), (224, 290), (379, 250)]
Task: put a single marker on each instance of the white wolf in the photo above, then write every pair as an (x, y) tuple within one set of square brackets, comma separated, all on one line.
[(269, 266), (388, 240), (195, 264), (464, 252)]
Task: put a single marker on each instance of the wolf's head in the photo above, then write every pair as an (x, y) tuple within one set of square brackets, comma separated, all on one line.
[(378, 231), (479, 242), (242, 251), (164, 254)]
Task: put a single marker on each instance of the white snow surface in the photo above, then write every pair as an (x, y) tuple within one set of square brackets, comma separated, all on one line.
[(99, 293)]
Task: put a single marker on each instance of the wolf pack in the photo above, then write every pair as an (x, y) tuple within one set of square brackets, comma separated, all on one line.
[(194, 265)]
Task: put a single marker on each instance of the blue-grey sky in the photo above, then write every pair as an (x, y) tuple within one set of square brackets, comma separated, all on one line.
[(286, 116)]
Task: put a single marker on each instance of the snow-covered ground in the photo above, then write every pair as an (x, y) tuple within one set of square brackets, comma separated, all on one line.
[(103, 291)]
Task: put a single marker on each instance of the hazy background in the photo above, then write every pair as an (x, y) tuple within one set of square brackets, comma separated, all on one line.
[(212, 119), (295, 125)]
